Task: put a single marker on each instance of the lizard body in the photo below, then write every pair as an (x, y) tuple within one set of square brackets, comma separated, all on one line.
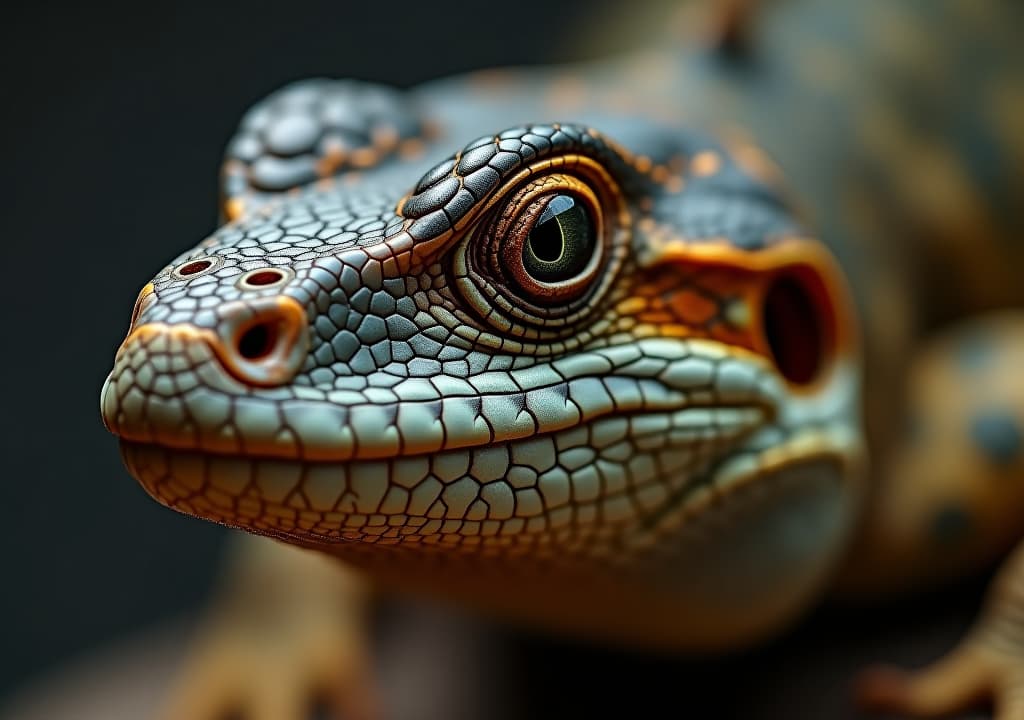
[(566, 343)]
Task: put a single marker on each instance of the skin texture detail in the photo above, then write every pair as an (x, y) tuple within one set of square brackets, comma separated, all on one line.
[(603, 348), (419, 404)]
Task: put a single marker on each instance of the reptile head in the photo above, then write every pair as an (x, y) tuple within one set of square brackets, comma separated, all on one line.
[(546, 352)]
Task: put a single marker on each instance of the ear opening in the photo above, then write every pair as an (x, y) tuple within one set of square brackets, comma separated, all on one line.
[(800, 324)]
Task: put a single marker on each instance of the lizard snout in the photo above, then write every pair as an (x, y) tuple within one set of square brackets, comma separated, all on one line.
[(171, 383)]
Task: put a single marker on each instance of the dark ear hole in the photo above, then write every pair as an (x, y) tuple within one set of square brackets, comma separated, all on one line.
[(258, 341), (264, 277), (197, 266), (799, 325)]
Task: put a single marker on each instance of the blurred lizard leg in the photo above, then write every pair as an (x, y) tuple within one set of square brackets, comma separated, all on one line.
[(288, 630), (987, 665), (950, 501)]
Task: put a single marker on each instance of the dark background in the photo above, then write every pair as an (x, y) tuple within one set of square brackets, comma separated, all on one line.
[(114, 120)]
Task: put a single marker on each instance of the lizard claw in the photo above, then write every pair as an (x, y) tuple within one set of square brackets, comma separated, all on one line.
[(286, 642), (972, 674), (987, 665), (313, 674)]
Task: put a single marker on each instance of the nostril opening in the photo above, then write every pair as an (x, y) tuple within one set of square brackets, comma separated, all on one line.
[(799, 325), (194, 267), (264, 277), (261, 341), (199, 266), (258, 341)]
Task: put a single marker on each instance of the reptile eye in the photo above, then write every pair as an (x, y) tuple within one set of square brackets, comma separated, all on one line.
[(546, 253), (551, 244), (560, 243)]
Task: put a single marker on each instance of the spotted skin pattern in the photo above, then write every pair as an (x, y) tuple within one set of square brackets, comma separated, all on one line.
[(355, 362), (997, 436)]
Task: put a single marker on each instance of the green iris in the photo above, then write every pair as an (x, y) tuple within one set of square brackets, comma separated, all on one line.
[(561, 242)]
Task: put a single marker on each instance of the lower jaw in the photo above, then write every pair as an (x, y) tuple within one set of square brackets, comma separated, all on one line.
[(431, 503), (744, 552), (478, 498), (607, 474)]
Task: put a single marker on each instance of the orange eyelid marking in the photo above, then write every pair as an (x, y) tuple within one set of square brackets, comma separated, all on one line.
[(580, 165), (571, 164), (730, 274)]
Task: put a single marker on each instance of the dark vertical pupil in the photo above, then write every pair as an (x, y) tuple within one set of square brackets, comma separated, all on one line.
[(546, 241), (561, 242)]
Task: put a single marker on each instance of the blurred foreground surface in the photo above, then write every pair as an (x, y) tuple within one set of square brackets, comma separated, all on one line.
[(440, 666)]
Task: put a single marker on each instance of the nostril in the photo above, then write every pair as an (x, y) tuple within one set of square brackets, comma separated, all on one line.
[(193, 268), (263, 278), (199, 266), (259, 341), (264, 341)]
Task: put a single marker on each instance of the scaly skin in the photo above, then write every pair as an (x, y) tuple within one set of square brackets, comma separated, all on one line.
[(663, 447), (412, 404)]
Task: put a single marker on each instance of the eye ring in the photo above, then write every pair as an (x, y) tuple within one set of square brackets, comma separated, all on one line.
[(515, 230), (197, 266), (482, 263), (529, 262), (264, 278)]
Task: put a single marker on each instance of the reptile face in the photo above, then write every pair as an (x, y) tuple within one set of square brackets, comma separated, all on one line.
[(544, 350)]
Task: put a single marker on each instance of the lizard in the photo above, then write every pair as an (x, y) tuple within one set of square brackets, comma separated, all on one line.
[(654, 350)]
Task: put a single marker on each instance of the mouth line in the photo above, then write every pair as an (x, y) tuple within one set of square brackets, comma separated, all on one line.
[(293, 497), (726, 424), (266, 507), (160, 397)]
